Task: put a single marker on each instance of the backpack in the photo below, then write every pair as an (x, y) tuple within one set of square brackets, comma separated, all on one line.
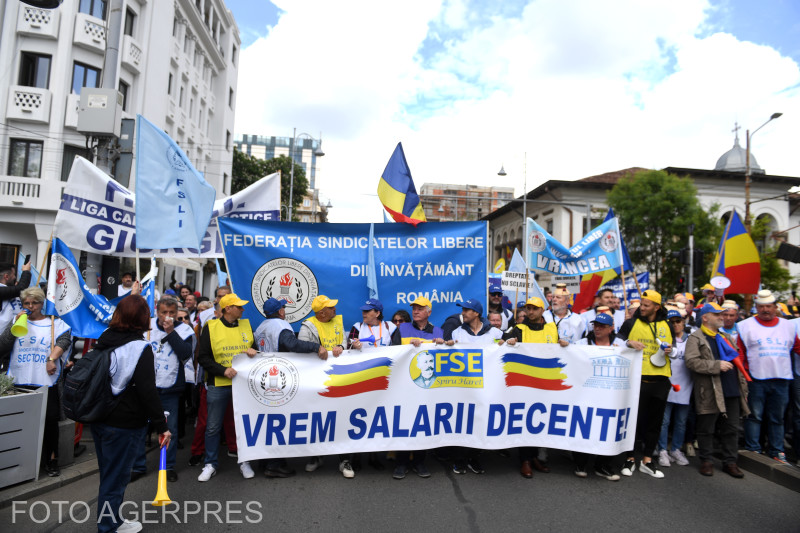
[(87, 388)]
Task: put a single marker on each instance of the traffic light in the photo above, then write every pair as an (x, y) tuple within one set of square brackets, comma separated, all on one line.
[(682, 256), (699, 263), (681, 284)]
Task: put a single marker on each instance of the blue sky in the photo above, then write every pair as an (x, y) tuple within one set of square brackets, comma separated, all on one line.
[(468, 85)]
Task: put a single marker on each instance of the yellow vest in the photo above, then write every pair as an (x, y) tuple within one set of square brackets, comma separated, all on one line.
[(331, 333), (227, 342), (546, 335), (643, 332)]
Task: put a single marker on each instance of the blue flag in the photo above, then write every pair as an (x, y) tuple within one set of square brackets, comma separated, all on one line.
[(69, 297), (173, 201), (626, 259), (149, 287), (598, 250), (34, 272), (372, 279), (222, 277), (517, 264)]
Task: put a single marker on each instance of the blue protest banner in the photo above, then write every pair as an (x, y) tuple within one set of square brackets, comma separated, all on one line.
[(616, 286), (445, 262), (598, 250)]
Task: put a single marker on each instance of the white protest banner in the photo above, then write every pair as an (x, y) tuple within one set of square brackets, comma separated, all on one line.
[(515, 281), (97, 214), (582, 398), (573, 283)]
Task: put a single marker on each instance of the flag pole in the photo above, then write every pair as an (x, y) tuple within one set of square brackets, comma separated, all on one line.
[(44, 259), (622, 265)]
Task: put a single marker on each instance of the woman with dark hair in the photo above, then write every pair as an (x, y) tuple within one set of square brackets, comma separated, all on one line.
[(400, 316), (133, 383)]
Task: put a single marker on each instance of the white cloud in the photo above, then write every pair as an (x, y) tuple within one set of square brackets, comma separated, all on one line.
[(583, 87)]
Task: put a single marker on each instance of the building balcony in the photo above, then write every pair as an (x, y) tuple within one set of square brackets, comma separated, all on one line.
[(132, 54), (71, 113), (175, 55), (171, 110), (36, 22), (29, 104), (16, 191), (212, 101), (90, 33)]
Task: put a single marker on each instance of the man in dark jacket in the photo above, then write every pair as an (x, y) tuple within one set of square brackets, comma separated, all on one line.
[(720, 390)]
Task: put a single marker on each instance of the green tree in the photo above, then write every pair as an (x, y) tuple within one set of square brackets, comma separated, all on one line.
[(773, 276), (248, 170), (655, 209)]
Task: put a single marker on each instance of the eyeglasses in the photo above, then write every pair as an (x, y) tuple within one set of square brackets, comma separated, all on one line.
[(677, 321), (397, 321)]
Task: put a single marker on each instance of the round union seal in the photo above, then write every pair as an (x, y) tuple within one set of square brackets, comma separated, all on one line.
[(67, 293), (175, 159), (273, 381), (536, 241), (287, 279), (608, 242)]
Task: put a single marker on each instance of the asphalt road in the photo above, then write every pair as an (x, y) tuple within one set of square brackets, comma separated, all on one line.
[(500, 500)]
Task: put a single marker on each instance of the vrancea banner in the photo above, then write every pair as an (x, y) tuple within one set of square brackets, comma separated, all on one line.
[(582, 398), (444, 262), (98, 215), (598, 250)]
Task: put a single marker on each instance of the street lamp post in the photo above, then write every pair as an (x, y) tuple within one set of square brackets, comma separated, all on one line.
[(524, 204), (747, 170), (318, 152)]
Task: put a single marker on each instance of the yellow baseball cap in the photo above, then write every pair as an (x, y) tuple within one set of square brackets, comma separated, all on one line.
[(653, 296), (707, 287), (321, 302), (535, 301), (231, 299), (421, 300)]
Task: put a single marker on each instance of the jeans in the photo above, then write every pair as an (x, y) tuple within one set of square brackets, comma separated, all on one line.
[(767, 398), (115, 457), (169, 401), (796, 414), (681, 413), (728, 432), (217, 400)]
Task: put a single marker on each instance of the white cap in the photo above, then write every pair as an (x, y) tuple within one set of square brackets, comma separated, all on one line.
[(765, 297), (730, 304)]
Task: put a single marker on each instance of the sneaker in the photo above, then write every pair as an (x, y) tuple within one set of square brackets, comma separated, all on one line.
[(129, 526), (678, 457), (580, 472), (313, 463), (459, 467), (475, 466), (628, 468), (663, 458), (399, 472), (690, 450), (781, 458), (246, 470), (422, 471), (606, 473), (195, 460), (52, 468), (347, 469), (207, 473), (650, 469), (235, 455), (172, 476)]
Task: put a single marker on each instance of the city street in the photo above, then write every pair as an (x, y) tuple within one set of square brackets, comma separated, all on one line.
[(500, 500)]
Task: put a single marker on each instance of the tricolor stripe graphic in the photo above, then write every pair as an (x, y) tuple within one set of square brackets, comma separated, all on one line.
[(356, 378), (534, 372)]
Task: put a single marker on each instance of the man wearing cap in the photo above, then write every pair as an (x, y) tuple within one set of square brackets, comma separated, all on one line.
[(571, 327), (416, 332), (473, 329), (767, 341), (648, 330), (730, 313), (275, 334), (496, 303), (220, 341), (604, 298), (708, 295), (533, 330), (373, 326), (325, 327), (719, 390)]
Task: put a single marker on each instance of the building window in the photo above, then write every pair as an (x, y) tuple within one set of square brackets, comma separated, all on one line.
[(84, 76), (306, 218), (191, 108), (233, 55), (306, 202), (230, 98), (95, 8), (226, 185), (9, 253), (549, 226), (34, 70), (69, 156), (25, 159), (130, 21), (180, 99), (227, 140), (169, 84), (124, 88), (175, 27)]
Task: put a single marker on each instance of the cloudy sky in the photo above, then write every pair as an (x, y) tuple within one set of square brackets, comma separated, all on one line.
[(580, 86)]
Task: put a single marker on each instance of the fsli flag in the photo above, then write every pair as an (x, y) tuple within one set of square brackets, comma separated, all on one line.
[(175, 202), (69, 297), (598, 250), (444, 262), (97, 214)]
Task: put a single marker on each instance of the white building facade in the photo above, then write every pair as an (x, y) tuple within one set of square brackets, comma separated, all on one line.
[(177, 66)]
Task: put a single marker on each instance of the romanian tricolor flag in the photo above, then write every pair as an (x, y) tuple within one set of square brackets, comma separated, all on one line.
[(590, 284), (534, 372), (737, 259), (397, 192), (356, 378)]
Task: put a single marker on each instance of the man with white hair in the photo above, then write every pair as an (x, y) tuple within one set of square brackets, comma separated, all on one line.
[(767, 341), (571, 327)]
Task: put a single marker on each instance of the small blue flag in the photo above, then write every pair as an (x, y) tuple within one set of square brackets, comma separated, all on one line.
[(173, 201), (626, 259), (34, 272), (222, 277), (372, 278)]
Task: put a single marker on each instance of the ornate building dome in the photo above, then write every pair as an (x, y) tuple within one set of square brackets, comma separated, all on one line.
[(735, 159)]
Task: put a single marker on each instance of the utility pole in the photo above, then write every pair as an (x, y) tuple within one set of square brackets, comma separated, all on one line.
[(691, 258)]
